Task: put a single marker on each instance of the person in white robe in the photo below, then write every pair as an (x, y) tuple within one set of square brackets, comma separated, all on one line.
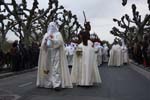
[(53, 71), (66, 49), (115, 56), (98, 46), (70, 51), (85, 69), (105, 53), (74, 45), (67, 52), (124, 53)]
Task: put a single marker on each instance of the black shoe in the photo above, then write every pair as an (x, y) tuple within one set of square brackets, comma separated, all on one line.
[(57, 89)]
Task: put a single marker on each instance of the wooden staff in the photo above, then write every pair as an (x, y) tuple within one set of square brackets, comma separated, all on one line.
[(84, 17)]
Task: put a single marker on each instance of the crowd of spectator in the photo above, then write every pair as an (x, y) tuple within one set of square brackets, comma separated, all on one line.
[(19, 57)]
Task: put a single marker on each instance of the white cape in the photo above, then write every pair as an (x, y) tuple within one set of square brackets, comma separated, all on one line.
[(43, 80)]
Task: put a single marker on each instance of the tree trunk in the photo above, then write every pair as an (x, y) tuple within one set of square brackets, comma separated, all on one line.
[(26, 38)]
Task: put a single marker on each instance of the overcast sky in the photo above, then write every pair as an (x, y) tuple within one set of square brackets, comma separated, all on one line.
[(99, 12)]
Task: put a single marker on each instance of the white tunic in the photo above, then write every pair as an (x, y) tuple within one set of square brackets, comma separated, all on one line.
[(85, 70)]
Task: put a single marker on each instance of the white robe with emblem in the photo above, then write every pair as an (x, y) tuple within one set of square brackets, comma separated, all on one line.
[(85, 70)]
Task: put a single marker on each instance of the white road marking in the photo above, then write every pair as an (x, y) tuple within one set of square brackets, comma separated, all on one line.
[(25, 84), (9, 97)]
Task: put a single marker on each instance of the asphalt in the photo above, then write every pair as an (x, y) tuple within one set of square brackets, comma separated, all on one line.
[(9, 74), (118, 83)]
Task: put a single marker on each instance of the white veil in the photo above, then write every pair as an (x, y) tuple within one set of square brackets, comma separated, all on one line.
[(52, 28)]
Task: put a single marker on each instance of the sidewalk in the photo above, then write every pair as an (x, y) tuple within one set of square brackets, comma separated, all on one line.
[(4, 75), (140, 69), (140, 65)]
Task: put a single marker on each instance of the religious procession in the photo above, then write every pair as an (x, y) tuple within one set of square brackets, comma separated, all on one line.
[(49, 53), (83, 55)]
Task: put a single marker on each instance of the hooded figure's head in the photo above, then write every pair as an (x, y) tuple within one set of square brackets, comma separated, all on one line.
[(52, 28)]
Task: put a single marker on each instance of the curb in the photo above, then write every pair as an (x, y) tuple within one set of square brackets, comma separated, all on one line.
[(4, 75), (140, 70), (140, 66)]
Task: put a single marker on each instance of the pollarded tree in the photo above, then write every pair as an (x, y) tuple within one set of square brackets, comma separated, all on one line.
[(124, 2), (25, 18), (127, 31), (42, 23), (29, 24), (136, 31), (6, 23), (68, 25), (141, 24), (66, 21)]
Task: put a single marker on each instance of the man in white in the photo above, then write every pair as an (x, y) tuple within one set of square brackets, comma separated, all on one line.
[(115, 56), (52, 65), (85, 70), (105, 53)]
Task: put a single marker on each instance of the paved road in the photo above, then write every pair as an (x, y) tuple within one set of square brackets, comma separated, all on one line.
[(118, 84)]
